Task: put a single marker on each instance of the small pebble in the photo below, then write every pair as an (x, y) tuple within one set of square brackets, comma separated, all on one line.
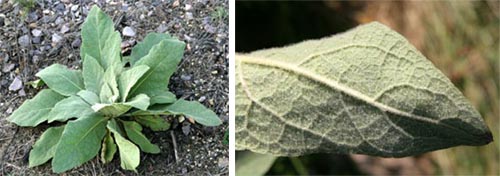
[(8, 68), (16, 84), (74, 7), (202, 99), (24, 40), (188, 7), (36, 40), (189, 15), (56, 38), (36, 32), (176, 3), (76, 43), (64, 29), (21, 93), (186, 129), (128, 31), (185, 77)]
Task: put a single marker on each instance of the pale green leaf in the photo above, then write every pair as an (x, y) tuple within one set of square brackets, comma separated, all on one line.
[(111, 110), (366, 91), (196, 111), (70, 107), (45, 148), (108, 149), (154, 122), (100, 40), (162, 61), (140, 101), (80, 142), (109, 90), (133, 130), (92, 74), (36, 83), (35, 111), (61, 79), (129, 153), (163, 98), (253, 164), (142, 48), (90, 97), (128, 79)]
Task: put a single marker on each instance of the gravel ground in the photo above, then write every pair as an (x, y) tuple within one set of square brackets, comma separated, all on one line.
[(50, 33)]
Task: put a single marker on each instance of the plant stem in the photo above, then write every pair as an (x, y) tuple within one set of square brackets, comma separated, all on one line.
[(298, 165)]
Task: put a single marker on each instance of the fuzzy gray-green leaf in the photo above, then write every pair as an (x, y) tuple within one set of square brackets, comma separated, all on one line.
[(70, 107), (142, 48), (35, 111), (92, 74), (61, 79), (45, 148), (100, 40), (196, 111), (366, 91), (133, 130), (162, 60), (80, 142)]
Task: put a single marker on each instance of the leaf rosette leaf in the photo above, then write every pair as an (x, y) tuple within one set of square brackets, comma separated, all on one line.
[(106, 104), (366, 91)]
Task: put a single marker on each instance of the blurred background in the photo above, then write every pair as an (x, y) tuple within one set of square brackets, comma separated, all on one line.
[(461, 38)]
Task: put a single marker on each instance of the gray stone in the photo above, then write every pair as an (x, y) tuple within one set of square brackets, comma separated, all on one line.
[(36, 32), (128, 31), (8, 67), (64, 29), (56, 38), (76, 43), (16, 84), (24, 40)]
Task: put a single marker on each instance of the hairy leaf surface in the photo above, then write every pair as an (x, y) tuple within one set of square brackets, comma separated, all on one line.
[(80, 142), (133, 130), (100, 40), (162, 61), (366, 91), (128, 79), (45, 148), (129, 153), (142, 48), (35, 111), (196, 111), (61, 79), (70, 107), (156, 123), (108, 149), (92, 74)]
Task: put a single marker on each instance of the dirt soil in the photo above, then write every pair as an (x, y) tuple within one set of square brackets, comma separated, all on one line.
[(50, 33)]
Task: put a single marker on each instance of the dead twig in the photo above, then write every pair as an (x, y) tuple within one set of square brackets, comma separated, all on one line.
[(175, 145)]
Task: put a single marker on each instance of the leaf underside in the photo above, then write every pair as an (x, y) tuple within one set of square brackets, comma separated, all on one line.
[(366, 91)]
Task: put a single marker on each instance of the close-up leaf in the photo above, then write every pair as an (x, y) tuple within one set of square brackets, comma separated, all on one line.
[(249, 163), (80, 142), (45, 148), (70, 107), (92, 74), (164, 97), (366, 91), (100, 40), (142, 48), (35, 111), (128, 79), (133, 130), (62, 80), (109, 89), (162, 60), (196, 111), (90, 97), (129, 152), (108, 149), (156, 123)]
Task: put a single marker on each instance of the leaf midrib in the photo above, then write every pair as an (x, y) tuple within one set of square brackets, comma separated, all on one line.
[(331, 83)]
